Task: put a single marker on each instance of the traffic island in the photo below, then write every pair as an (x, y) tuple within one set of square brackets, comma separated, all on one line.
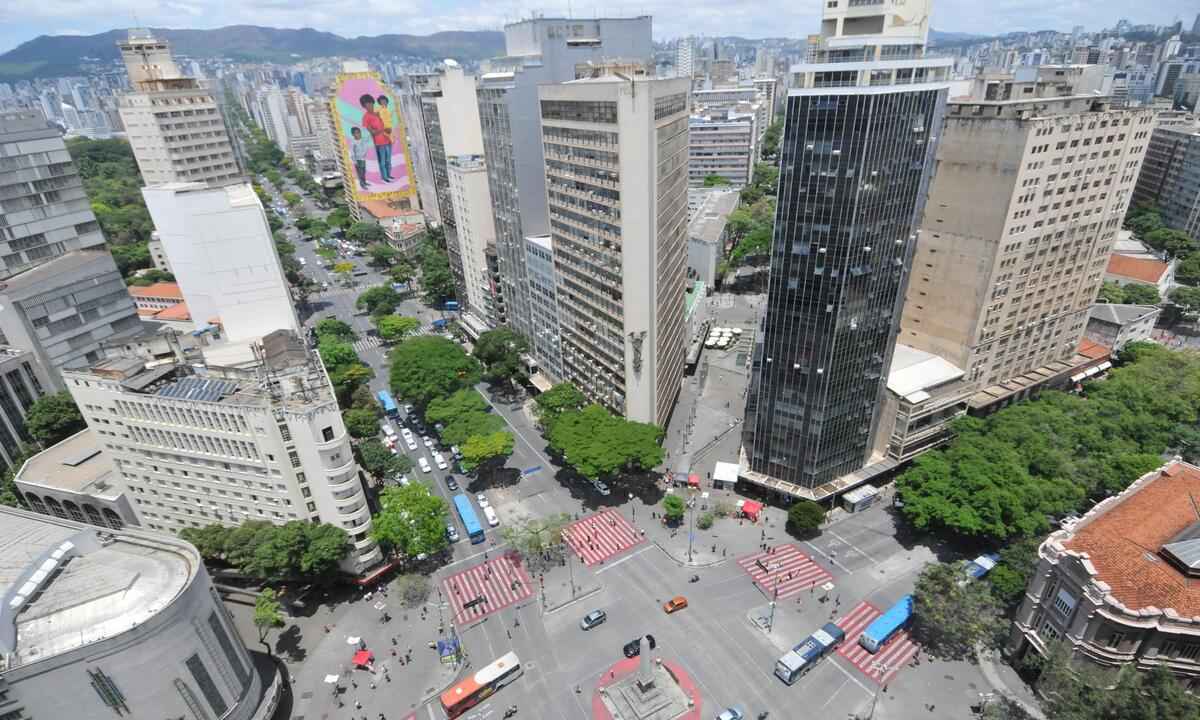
[(642, 688)]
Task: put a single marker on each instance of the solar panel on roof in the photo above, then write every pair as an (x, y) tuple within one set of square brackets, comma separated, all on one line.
[(198, 389)]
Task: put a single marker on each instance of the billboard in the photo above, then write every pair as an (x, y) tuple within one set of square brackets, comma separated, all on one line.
[(371, 134)]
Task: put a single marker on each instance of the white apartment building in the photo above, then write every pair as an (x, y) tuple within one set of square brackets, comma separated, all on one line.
[(259, 437), (722, 143), (172, 121), (223, 256), (476, 232), (615, 152)]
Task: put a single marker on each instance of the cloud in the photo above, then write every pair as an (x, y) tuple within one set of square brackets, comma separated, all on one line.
[(22, 20)]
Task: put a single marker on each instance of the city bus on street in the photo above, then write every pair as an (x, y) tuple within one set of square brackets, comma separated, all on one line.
[(388, 404), (481, 685), (886, 625), (466, 513)]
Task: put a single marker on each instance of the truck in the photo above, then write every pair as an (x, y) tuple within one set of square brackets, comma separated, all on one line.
[(800, 659), (887, 625)]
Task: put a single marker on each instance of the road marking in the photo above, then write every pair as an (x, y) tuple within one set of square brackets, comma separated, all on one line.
[(476, 555), (750, 662), (844, 671), (514, 427), (853, 547), (627, 557), (833, 694), (828, 559)]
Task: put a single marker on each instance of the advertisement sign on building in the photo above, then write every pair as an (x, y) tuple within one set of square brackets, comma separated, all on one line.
[(371, 133)]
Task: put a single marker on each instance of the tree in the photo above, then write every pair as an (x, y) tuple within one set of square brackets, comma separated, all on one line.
[(379, 300), (363, 399), (563, 397), (414, 590), (1139, 294), (145, 278), (364, 233), (316, 228), (380, 462), (597, 443), (381, 255), (113, 184), (951, 617), (411, 521), (1175, 243), (1111, 292), (713, 180), (539, 540), (360, 423), (447, 410), (267, 615), (393, 328), (771, 137), (1081, 691), (131, 258), (426, 367), (1187, 298), (340, 217), (1188, 271), (500, 353), (1011, 575), (292, 199), (805, 516), (208, 539), (326, 546), (332, 328), (403, 272), (336, 354), (53, 418), (436, 276), (480, 449), (673, 507), (345, 271), (468, 425)]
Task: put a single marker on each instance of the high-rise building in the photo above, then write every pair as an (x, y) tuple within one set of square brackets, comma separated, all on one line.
[(685, 57), (142, 601), (44, 211), (1003, 287), (857, 152), (538, 51), (615, 150), (476, 233), (65, 309), (412, 87), (723, 143), (242, 433), (224, 258), (1170, 176), (543, 305), (172, 121), (22, 381)]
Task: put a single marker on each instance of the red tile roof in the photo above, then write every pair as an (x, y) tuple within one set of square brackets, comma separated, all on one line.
[(383, 209), (1093, 350), (1123, 542), (157, 290), (1134, 268), (177, 312)]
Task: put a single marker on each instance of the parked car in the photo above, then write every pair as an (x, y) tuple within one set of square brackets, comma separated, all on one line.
[(451, 533), (411, 443), (492, 519), (427, 440), (601, 487), (675, 604), (451, 483), (592, 619), (482, 500), (456, 452), (732, 713), (439, 461), (424, 465), (633, 647)]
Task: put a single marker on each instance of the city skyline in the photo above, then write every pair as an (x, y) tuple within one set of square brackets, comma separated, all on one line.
[(26, 20)]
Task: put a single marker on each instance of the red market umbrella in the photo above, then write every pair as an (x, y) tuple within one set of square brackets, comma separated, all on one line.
[(693, 480), (362, 658), (751, 509)]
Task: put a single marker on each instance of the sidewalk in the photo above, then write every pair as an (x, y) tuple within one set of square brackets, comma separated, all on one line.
[(1005, 681)]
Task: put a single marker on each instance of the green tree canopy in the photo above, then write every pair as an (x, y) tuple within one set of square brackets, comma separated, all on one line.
[(447, 410), (360, 423), (292, 199), (393, 328), (381, 255), (539, 540), (426, 367), (673, 507), (1176, 243), (332, 328), (113, 185), (339, 217), (1187, 298), (1139, 294), (267, 614), (500, 352), (771, 137), (262, 550), (365, 233), (715, 181), (950, 616), (380, 462), (411, 520), (1111, 292), (436, 277), (53, 418), (563, 397), (379, 300), (480, 449), (804, 516), (403, 272), (1188, 271), (597, 443), (336, 354)]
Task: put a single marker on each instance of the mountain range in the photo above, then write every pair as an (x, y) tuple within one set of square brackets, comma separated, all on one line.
[(58, 55)]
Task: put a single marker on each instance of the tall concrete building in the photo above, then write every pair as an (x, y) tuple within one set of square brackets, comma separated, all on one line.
[(1170, 175), (856, 157), (723, 143), (476, 234), (411, 89), (615, 150), (244, 432), (686, 57), (223, 256), (1002, 287), (172, 121), (22, 381), (538, 51), (44, 211), (107, 622)]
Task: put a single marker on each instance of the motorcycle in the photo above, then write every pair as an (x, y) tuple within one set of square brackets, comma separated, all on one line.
[(694, 578), (512, 710)]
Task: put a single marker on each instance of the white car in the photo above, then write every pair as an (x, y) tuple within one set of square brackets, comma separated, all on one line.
[(441, 461), (406, 432), (303, 262), (412, 444), (490, 513), (389, 430), (424, 465), (482, 500), (427, 440)]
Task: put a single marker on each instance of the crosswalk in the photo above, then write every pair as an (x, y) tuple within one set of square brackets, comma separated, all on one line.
[(883, 665), (366, 342), (500, 582), (783, 571), (598, 537)]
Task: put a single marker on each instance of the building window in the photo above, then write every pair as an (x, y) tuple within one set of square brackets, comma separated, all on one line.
[(1048, 631), (1064, 603), (1115, 639), (205, 682), (294, 458), (227, 647), (327, 433)]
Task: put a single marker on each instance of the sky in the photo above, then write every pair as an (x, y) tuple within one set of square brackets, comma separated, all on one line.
[(22, 20)]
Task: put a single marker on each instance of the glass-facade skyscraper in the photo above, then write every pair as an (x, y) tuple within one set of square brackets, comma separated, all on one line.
[(855, 164)]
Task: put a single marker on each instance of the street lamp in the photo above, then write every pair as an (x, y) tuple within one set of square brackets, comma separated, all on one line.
[(691, 522), (632, 508), (883, 668), (774, 602)]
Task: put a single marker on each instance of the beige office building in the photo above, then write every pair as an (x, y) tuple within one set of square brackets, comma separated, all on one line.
[(1034, 175), (616, 156), (172, 121)]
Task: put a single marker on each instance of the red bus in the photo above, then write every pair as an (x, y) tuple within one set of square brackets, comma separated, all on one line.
[(478, 687)]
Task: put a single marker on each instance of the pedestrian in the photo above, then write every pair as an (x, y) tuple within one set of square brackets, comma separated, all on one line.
[(723, 552), (372, 684), (357, 705), (354, 683)]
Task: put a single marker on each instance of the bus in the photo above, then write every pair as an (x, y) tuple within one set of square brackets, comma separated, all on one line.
[(886, 625), (388, 404), (466, 513), (483, 684)]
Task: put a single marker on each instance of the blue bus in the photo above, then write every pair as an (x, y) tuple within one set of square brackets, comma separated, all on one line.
[(886, 625), (466, 513), (388, 404)]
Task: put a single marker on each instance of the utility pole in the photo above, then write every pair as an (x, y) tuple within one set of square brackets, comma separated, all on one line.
[(883, 671), (774, 602), (691, 522)]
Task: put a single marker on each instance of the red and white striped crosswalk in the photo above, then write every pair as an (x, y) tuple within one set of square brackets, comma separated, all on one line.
[(500, 581), (785, 569), (883, 665), (599, 537)]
